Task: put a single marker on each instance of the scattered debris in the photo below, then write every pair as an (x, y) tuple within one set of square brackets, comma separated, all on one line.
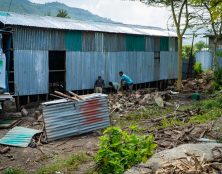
[(203, 83), (189, 164), (5, 150), (124, 103), (186, 158), (8, 123), (24, 112)]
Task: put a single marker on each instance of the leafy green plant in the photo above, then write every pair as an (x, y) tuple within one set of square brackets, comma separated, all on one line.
[(197, 68), (120, 150)]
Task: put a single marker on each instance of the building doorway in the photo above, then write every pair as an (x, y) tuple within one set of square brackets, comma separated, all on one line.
[(57, 71)]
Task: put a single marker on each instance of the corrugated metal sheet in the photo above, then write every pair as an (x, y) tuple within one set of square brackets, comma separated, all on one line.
[(69, 118), (31, 72), (157, 44), (206, 59), (149, 44), (70, 24), (172, 44), (73, 40), (219, 59), (135, 43), (168, 65), (114, 42), (98, 41), (38, 39), (83, 68), (164, 44), (19, 136)]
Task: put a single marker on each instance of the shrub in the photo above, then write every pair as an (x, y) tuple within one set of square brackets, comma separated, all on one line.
[(119, 151), (217, 79), (197, 68)]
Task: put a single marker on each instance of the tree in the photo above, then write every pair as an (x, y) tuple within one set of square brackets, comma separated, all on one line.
[(200, 45), (213, 8), (63, 14), (181, 18)]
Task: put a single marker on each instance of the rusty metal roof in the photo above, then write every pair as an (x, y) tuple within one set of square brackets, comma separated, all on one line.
[(10, 18)]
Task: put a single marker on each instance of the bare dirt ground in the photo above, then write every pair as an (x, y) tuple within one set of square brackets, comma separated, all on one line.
[(31, 159)]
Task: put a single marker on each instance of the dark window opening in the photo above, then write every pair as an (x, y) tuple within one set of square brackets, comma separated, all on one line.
[(7, 47), (57, 71)]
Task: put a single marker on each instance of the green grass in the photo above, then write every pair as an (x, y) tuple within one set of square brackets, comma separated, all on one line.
[(63, 165), (12, 170), (147, 113), (211, 109), (66, 165)]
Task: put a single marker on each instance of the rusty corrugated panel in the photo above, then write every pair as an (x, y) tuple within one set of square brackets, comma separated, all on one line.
[(138, 65), (31, 72), (71, 24), (27, 38), (65, 118)]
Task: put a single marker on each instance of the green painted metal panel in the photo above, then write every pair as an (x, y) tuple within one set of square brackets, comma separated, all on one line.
[(73, 40), (164, 44), (135, 43)]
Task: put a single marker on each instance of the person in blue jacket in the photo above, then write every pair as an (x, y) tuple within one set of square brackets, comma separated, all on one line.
[(126, 81)]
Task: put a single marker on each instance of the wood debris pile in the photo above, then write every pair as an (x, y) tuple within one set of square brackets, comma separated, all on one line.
[(170, 137), (202, 83), (124, 103), (192, 164)]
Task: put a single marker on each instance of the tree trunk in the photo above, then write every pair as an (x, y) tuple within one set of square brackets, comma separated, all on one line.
[(215, 62), (179, 80)]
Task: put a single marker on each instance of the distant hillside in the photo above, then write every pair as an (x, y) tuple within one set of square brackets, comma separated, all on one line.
[(27, 7)]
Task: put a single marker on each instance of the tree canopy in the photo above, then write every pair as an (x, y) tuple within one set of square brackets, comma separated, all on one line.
[(63, 14)]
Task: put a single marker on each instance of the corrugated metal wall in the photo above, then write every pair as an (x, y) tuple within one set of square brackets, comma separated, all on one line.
[(168, 65), (31, 72), (38, 39), (206, 59), (89, 54), (83, 68)]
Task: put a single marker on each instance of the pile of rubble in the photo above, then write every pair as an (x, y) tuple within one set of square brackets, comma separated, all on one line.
[(124, 103), (191, 164), (201, 83)]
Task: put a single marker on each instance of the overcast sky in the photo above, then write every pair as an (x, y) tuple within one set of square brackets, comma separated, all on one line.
[(125, 11)]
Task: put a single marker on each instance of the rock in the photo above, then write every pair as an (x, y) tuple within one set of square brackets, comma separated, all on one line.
[(169, 104), (146, 99), (37, 114), (24, 112), (5, 150), (163, 157), (91, 145), (159, 101), (89, 153)]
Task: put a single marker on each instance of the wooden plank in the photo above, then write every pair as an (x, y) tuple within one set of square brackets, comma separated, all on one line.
[(75, 95), (65, 96)]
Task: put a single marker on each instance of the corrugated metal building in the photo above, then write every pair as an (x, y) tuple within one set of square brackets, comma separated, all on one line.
[(46, 50)]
